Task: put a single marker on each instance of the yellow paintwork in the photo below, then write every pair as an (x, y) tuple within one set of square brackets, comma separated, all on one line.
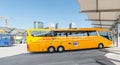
[(1, 31), (41, 44)]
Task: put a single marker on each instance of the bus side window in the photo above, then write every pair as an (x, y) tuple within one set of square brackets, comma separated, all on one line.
[(71, 34), (77, 33), (55, 33), (58, 33), (92, 33), (61, 34), (50, 34), (81, 33)]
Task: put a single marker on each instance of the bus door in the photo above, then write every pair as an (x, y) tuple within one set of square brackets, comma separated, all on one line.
[(72, 41), (83, 39), (60, 39), (93, 39)]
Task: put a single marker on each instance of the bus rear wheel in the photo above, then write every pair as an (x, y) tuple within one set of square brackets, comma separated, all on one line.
[(51, 49), (60, 49), (100, 46)]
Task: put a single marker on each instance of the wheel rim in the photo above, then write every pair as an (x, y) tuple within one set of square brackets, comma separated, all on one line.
[(51, 49), (100, 46), (60, 49)]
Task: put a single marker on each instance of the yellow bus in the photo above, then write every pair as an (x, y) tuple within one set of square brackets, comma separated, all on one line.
[(52, 40)]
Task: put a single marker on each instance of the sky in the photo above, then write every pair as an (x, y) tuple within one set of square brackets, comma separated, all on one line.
[(22, 13)]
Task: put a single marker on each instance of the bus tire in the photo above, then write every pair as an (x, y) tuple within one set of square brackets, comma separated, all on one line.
[(51, 49), (100, 46), (60, 49)]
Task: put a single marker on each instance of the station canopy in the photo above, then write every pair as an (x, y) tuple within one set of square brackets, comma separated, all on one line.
[(102, 13), (13, 31)]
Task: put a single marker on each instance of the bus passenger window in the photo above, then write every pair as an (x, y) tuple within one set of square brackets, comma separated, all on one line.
[(71, 34), (61, 34), (58, 34), (49, 34), (55, 33), (81, 34), (77, 34), (92, 33)]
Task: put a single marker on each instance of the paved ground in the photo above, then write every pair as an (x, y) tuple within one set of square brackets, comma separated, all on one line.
[(113, 55), (17, 55), (13, 50)]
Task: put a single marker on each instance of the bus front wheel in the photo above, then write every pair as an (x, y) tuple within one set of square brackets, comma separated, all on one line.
[(51, 49), (60, 49), (100, 46)]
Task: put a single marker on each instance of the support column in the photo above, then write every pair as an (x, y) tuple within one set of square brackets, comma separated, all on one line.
[(118, 34)]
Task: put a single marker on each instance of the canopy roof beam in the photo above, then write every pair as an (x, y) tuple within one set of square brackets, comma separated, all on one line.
[(101, 20), (107, 10), (102, 24)]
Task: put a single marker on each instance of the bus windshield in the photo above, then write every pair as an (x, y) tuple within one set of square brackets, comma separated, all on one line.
[(105, 35), (41, 33)]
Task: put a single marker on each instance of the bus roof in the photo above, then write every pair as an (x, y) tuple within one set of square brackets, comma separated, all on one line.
[(68, 29), (82, 29), (37, 29)]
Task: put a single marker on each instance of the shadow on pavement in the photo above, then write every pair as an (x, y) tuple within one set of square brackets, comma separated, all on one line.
[(102, 59), (78, 57)]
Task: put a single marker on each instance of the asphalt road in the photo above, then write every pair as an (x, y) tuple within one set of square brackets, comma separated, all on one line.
[(81, 57)]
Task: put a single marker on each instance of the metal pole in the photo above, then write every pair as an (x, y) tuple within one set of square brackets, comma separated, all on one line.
[(100, 19), (97, 5), (6, 22)]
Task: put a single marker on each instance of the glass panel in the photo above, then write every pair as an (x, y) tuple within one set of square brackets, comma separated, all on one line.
[(41, 33), (105, 35), (110, 36), (77, 33), (92, 33), (61, 33)]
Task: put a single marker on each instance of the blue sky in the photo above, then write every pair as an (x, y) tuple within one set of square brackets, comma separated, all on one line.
[(22, 13)]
